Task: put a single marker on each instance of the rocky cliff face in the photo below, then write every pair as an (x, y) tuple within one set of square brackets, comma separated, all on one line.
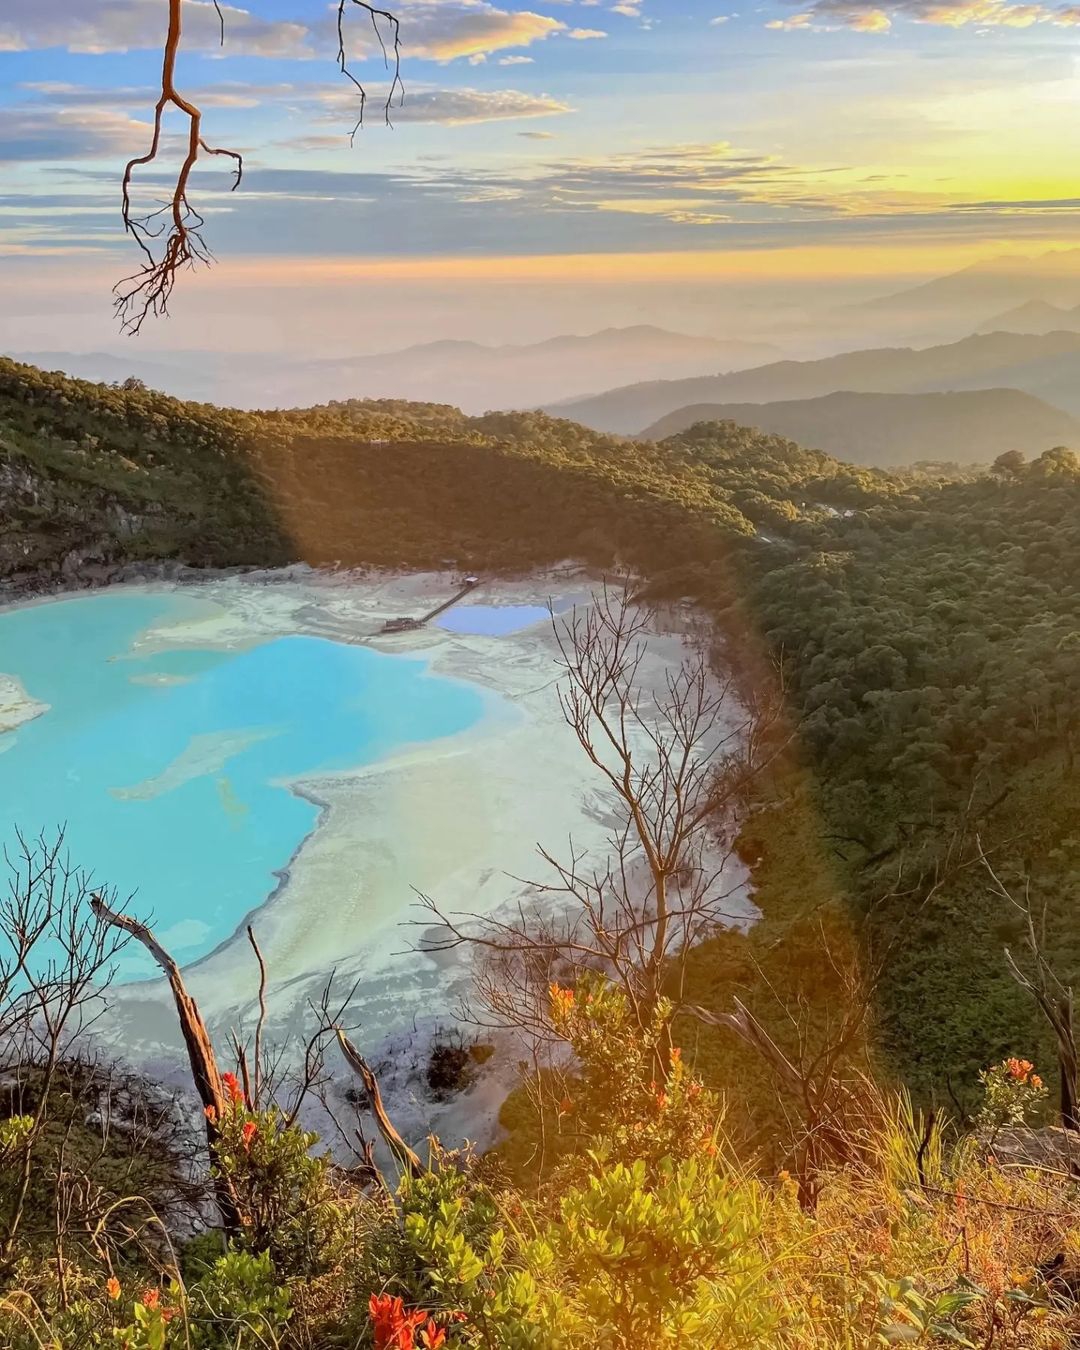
[(57, 531), (98, 481)]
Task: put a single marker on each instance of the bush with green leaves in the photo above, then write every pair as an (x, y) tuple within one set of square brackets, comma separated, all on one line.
[(665, 1259), (282, 1189), (630, 1087), (239, 1303)]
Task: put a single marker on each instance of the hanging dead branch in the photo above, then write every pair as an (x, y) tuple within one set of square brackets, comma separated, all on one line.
[(397, 88), (170, 236)]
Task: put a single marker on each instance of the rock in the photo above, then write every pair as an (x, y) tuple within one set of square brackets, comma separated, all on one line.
[(1051, 1147)]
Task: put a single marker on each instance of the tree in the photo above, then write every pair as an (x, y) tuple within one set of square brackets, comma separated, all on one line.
[(169, 236), (54, 967), (677, 763), (1010, 464)]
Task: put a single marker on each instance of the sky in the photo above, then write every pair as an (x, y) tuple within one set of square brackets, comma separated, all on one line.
[(551, 166)]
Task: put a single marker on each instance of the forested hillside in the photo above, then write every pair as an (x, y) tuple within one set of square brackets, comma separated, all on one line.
[(927, 628)]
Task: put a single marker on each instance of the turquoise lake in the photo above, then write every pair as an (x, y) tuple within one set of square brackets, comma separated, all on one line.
[(166, 769)]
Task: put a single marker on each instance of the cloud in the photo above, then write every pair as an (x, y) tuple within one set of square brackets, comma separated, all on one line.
[(516, 61), (584, 34), (435, 30), (455, 107), (448, 30), (871, 16), (696, 197), (230, 94), (32, 134), (124, 25), (316, 103)]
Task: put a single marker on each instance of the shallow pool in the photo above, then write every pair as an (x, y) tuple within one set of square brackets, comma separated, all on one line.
[(493, 620), (168, 768)]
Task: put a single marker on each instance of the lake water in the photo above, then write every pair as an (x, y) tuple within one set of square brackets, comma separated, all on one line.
[(167, 768), (492, 620)]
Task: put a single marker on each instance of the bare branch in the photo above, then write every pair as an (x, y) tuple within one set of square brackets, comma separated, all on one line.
[(169, 237), (262, 1017), (397, 88), (405, 1156), (204, 1068)]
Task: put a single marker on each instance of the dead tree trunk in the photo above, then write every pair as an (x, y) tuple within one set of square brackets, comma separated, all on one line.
[(204, 1069), (406, 1158)]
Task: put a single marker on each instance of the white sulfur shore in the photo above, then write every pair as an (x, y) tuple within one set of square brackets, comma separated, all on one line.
[(16, 706), (456, 819)]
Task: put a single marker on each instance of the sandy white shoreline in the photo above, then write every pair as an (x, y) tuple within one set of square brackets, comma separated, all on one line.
[(17, 707), (456, 819)]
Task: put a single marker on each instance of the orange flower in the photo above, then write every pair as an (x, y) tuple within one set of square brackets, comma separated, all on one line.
[(676, 1054), (112, 1287), (393, 1325), (150, 1297), (248, 1133), (211, 1115), (562, 1000), (167, 1314), (232, 1087), (1036, 1081), (431, 1336), (1019, 1069)]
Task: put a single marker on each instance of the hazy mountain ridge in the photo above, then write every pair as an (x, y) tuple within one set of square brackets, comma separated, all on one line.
[(469, 375), (1047, 366), (888, 430), (1036, 316), (996, 283)]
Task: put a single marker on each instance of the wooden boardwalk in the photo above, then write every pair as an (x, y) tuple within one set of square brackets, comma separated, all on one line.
[(406, 625)]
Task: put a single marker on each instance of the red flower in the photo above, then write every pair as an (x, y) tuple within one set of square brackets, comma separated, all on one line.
[(232, 1087), (150, 1297), (211, 1115), (431, 1336), (393, 1325), (248, 1133)]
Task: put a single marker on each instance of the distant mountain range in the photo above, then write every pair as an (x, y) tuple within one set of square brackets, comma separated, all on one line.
[(468, 375), (988, 287), (1046, 366), (888, 430), (1037, 316)]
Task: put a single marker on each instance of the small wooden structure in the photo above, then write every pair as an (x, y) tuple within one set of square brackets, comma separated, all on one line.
[(408, 625)]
